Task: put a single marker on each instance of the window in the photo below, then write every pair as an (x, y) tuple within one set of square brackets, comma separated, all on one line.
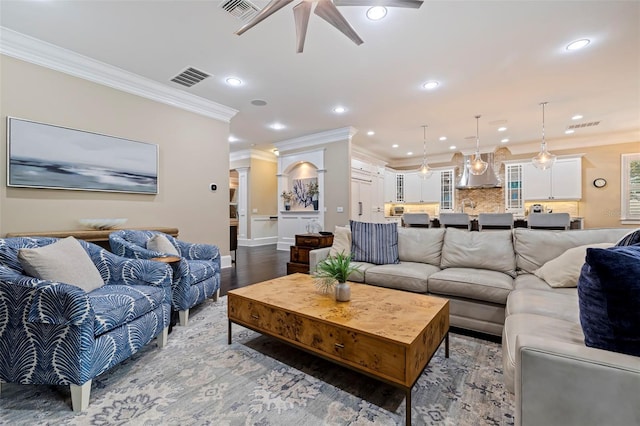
[(630, 187)]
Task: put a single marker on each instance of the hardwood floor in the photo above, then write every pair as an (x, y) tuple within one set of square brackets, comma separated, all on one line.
[(254, 265)]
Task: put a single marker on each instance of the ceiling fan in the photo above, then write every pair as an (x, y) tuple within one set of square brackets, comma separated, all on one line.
[(327, 10)]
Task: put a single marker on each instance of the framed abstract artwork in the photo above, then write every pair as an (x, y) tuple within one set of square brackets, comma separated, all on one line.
[(54, 157)]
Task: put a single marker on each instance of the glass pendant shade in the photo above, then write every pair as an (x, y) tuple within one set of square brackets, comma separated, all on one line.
[(477, 165), (544, 160), (424, 170)]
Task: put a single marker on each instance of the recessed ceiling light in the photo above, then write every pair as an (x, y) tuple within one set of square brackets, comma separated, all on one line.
[(576, 117), (505, 140), (395, 145), (452, 147), (569, 131), (578, 44), (410, 153), (371, 133), (443, 138), (339, 110), (502, 129), (232, 139), (233, 81), (376, 13), (277, 126), (258, 102), (430, 85)]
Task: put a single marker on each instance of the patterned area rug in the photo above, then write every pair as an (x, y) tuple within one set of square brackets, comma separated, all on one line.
[(197, 379)]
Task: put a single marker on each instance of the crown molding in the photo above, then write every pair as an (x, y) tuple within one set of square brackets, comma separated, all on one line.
[(577, 142), (336, 135), (252, 153), (35, 51)]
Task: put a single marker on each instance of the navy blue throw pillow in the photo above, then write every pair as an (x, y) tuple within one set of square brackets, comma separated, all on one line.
[(632, 238), (609, 295), (375, 243)]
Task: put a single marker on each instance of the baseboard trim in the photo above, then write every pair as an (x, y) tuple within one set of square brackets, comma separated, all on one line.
[(225, 261), (264, 241)]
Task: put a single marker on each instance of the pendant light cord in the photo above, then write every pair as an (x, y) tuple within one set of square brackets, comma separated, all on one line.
[(544, 143), (477, 135)]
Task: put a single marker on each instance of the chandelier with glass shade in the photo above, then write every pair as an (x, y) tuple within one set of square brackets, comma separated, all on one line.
[(544, 160), (424, 171), (477, 165)]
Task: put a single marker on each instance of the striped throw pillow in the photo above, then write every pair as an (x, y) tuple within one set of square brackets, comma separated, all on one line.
[(632, 238), (375, 243)]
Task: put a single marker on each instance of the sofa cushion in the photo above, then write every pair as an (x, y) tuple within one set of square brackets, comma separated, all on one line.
[(64, 261), (161, 244), (564, 270), (341, 241), (482, 250), (536, 247), (630, 239), (609, 292), (563, 306), (530, 281), (420, 245), (535, 325), (410, 276), (359, 275), (375, 243), (478, 284), (115, 305)]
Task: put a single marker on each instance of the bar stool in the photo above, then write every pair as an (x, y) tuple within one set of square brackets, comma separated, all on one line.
[(487, 221), (418, 220), (455, 220), (549, 221)]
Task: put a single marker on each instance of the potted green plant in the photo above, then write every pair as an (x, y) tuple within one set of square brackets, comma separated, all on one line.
[(334, 271), (287, 197), (313, 191)]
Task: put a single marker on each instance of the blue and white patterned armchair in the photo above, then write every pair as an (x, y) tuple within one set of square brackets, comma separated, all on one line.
[(57, 334), (195, 278)]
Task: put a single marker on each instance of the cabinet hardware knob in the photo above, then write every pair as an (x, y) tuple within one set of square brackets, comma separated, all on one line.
[(255, 316), (339, 346)]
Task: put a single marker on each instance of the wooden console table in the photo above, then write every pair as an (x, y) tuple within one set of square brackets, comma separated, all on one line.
[(99, 237)]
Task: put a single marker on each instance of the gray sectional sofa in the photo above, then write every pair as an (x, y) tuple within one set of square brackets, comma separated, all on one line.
[(490, 282)]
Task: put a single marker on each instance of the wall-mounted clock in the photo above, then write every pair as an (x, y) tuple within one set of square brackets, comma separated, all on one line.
[(599, 183)]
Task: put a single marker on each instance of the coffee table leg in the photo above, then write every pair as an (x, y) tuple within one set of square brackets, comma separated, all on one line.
[(408, 404), (229, 334), (446, 345)]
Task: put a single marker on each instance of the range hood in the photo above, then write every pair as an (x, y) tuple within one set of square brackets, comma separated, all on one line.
[(488, 179)]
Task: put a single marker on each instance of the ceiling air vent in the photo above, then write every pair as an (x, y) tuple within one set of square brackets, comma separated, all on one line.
[(190, 76), (583, 125), (241, 9)]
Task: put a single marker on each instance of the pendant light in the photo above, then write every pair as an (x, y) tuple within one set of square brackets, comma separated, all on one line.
[(477, 166), (424, 170), (544, 160)]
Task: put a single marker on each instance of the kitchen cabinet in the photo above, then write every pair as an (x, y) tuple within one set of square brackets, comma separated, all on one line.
[(390, 185), (367, 191), (447, 190), (513, 197), (563, 181), (420, 190)]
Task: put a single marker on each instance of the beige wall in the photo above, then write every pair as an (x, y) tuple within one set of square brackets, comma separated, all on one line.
[(263, 187), (193, 152)]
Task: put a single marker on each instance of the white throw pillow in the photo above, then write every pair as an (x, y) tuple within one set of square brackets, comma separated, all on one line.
[(564, 270), (341, 241), (64, 261), (162, 244)]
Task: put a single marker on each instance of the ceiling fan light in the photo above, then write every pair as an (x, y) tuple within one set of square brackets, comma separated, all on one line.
[(376, 13)]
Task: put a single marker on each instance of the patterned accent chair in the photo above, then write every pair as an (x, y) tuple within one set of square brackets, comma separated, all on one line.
[(195, 278), (57, 334)]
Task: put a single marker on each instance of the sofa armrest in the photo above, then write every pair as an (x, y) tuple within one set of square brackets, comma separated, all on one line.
[(316, 256), (561, 383), (195, 251), (60, 304)]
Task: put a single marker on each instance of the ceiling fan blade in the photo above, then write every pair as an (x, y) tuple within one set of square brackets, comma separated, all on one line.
[(414, 4), (329, 12), (301, 13), (269, 10)]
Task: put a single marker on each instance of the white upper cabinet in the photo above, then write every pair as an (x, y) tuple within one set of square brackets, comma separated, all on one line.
[(412, 188), (421, 190), (390, 186), (563, 181), (431, 187)]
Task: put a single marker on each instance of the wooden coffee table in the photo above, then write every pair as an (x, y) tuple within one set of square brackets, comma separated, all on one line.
[(387, 334)]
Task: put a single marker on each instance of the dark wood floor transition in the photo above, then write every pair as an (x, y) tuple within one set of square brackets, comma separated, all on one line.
[(254, 265)]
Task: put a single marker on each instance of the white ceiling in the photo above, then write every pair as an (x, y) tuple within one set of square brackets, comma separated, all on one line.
[(499, 59)]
